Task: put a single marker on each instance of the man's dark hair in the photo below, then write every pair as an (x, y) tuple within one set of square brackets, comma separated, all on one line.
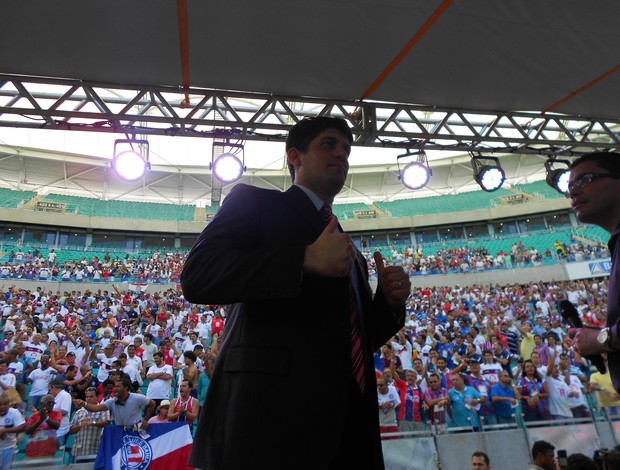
[(159, 353), (149, 336), (57, 384), (302, 133), (483, 455), (541, 447), (71, 368), (610, 161), (190, 384), (581, 462), (125, 382), (190, 355)]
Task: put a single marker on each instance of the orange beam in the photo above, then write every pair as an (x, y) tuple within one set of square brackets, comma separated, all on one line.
[(184, 45), (405, 50), (572, 94)]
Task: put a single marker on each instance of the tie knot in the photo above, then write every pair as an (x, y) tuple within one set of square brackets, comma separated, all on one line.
[(326, 212)]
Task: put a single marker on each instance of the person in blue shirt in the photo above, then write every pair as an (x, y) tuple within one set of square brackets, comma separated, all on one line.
[(465, 402)]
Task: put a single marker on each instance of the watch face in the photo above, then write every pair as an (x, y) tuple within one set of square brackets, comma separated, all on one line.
[(603, 336)]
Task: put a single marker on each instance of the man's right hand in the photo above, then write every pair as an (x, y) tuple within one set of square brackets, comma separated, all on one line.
[(332, 254)]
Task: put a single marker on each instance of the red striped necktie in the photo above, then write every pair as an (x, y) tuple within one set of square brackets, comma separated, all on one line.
[(357, 351)]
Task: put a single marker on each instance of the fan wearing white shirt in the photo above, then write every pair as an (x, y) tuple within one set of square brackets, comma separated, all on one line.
[(7, 380)]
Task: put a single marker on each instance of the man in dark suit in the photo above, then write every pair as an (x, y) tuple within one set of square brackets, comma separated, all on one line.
[(293, 385)]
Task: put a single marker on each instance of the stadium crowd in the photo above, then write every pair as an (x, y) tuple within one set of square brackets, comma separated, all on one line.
[(33, 265), (467, 357), (166, 267)]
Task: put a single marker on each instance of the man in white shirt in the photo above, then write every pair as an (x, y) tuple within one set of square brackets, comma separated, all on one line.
[(160, 375), (11, 423), (105, 362), (62, 403), (34, 349), (7, 380), (389, 400), (40, 378)]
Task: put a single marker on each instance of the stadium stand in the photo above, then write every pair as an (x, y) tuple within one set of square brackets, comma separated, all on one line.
[(471, 200), (13, 199)]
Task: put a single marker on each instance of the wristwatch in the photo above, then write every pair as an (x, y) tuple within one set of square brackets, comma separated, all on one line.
[(604, 338)]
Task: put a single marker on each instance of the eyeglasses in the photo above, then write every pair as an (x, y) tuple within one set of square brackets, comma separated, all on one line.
[(582, 181), (381, 385)]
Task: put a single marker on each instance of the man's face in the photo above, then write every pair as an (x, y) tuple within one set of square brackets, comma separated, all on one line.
[(411, 378), (157, 359), (458, 383), (595, 202), (184, 388), (382, 386), (91, 397), (504, 378), (323, 168), (119, 389), (4, 405), (547, 460), (478, 463), (433, 382)]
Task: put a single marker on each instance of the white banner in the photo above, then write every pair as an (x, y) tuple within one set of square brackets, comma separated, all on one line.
[(591, 268)]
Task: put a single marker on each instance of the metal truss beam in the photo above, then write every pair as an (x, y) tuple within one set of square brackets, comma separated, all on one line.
[(47, 103)]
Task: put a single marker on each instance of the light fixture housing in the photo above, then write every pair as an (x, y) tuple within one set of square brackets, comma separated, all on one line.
[(131, 158), (557, 178), (416, 174), (227, 166), (488, 173)]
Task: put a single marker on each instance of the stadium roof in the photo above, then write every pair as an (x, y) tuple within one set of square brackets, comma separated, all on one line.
[(470, 58)]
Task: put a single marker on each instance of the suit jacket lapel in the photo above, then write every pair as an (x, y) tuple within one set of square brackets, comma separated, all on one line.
[(297, 199)]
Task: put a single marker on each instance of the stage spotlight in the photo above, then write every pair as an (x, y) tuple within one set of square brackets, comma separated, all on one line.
[(557, 178), (130, 160), (227, 161), (490, 177), (417, 173), (227, 168)]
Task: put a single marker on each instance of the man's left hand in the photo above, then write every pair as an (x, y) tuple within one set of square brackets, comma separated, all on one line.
[(584, 340), (393, 282)]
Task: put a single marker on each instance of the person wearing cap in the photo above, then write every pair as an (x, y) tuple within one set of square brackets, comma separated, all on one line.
[(162, 413)]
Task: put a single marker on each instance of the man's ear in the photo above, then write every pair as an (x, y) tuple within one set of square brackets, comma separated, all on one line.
[(293, 157)]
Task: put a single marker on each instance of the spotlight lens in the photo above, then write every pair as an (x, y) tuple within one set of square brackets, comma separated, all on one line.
[(491, 178), (415, 176), (129, 165), (562, 181), (227, 168)]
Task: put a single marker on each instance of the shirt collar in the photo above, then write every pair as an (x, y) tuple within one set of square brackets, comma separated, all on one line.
[(316, 200)]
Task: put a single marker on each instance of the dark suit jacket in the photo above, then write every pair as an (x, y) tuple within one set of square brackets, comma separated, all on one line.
[(280, 387)]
